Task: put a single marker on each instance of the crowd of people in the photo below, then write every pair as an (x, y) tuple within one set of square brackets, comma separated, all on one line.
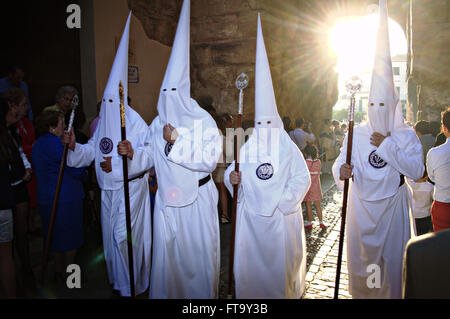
[(177, 203), (31, 157)]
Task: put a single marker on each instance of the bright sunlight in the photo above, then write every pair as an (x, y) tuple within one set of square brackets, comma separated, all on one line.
[(353, 42)]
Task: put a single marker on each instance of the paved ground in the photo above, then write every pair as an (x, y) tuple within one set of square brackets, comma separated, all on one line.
[(322, 247)]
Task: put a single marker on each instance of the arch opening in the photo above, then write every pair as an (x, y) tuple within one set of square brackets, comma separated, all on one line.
[(352, 41)]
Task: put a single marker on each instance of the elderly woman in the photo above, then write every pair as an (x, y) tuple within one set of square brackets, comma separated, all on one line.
[(67, 234), (63, 99)]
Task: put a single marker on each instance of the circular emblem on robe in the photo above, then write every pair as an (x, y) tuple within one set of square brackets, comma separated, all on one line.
[(376, 161), (106, 145), (264, 171), (168, 148)]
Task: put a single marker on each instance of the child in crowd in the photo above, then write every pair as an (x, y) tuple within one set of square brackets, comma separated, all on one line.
[(422, 193), (315, 191)]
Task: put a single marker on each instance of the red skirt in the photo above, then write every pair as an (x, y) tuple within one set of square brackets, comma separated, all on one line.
[(440, 215)]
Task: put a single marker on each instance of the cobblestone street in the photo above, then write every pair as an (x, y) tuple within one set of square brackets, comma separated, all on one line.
[(322, 247)]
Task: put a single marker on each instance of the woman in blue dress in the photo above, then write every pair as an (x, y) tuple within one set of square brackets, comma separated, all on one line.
[(47, 152)]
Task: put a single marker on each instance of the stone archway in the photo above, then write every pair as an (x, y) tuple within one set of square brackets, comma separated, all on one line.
[(223, 40), (429, 59)]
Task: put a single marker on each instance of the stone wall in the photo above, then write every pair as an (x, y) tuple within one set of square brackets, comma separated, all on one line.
[(223, 41), (430, 56), (223, 44)]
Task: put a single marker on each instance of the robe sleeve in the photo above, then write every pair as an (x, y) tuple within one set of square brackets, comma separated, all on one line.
[(55, 152), (430, 167), (297, 185), (143, 156), (117, 168), (342, 158), (83, 155), (197, 155), (407, 160)]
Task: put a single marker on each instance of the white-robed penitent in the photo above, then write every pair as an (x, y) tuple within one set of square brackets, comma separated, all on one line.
[(104, 144), (186, 240), (270, 247), (379, 204)]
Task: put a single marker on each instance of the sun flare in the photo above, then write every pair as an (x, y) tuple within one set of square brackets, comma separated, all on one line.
[(353, 42)]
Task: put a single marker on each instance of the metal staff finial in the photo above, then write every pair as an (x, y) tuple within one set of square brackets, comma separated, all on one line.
[(241, 84), (75, 101), (353, 85)]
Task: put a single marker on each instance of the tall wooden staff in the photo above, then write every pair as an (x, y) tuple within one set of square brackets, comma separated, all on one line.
[(241, 84), (353, 85), (57, 191), (127, 194)]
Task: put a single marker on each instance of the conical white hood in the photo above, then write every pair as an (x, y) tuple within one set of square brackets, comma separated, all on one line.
[(266, 157), (174, 101), (108, 132), (119, 70), (265, 104), (179, 183), (383, 98)]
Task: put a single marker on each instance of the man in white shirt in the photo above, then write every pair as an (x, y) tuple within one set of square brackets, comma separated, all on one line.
[(299, 136), (438, 166)]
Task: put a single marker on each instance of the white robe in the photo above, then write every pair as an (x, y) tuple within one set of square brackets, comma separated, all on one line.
[(186, 242), (270, 251), (113, 219), (379, 211)]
